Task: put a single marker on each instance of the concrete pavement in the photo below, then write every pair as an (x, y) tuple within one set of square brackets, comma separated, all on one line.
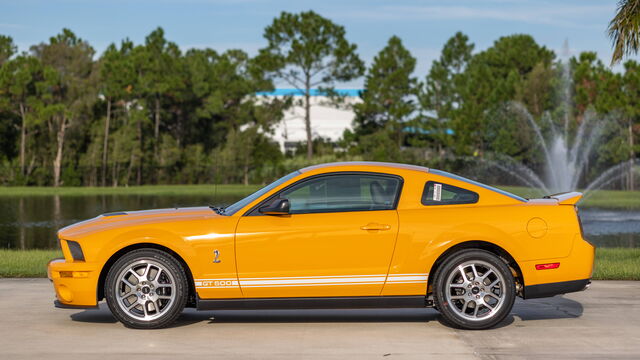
[(602, 322)]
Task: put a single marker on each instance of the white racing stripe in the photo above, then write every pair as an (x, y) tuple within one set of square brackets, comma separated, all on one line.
[(336, 280)]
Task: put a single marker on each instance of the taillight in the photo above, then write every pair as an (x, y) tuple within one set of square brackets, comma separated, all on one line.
[(579, 222), (547, 266)]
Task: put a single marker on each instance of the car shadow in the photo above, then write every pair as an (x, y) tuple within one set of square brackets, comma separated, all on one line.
[(321, 316), (537, 309), (557, 307), (101, 315)]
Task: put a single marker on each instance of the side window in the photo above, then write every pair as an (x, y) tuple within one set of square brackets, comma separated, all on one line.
[(436, 193), (349, 192)]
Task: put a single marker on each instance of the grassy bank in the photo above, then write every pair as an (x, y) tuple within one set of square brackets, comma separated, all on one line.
[(607, 199), (610, 199), (611, 263), (26, 263), (617, 264), (155, 190)]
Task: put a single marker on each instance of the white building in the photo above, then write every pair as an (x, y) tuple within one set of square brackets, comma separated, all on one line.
[(326, 121)]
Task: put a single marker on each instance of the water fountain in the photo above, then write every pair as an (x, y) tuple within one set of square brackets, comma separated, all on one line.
[(566, 157)]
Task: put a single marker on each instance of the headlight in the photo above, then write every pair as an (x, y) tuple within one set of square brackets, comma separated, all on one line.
[(76, 251)]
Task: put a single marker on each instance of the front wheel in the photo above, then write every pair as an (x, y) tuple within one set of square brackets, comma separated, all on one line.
[(146, 289), (474, 289)]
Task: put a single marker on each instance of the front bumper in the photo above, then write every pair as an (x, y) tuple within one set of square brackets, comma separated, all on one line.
[(75, 283)]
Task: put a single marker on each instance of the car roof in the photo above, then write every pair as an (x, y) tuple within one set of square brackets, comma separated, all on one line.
[(366, 164)]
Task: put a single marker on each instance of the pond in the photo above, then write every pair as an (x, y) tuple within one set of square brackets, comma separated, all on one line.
[(31, 222)]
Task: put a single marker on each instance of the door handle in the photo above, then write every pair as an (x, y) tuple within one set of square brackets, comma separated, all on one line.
[(375, 226)]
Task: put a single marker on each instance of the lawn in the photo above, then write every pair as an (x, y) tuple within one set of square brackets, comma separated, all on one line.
[(611, 199), (155, 190), (611, 263)]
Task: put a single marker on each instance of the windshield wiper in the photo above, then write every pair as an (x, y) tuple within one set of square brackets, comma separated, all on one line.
[(218, 209)]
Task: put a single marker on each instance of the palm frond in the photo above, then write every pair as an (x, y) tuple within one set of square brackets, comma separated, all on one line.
[(624, 30)]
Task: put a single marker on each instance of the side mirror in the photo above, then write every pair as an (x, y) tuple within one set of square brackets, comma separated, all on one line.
[(277, 207)]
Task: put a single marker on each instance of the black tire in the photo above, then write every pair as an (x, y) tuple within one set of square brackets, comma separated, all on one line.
[(165, 295), (457, 298)]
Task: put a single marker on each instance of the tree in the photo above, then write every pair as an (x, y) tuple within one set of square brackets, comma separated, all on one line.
[(631, 91), (19, 82), (624, 30), (7, 48), (72, 60), (590, 81), (390, 92), (441, 94), (117, 78), (307, 50), (158, 65), (491, 79)]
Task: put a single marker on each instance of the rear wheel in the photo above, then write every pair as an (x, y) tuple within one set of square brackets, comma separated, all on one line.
[(146, 289), (474, 289)]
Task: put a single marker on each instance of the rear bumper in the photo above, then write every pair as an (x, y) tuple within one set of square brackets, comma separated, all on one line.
[(75, 283), (571, 274), (556, 288)]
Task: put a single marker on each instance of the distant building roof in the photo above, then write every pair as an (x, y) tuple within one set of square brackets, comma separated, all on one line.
[(313, 92)]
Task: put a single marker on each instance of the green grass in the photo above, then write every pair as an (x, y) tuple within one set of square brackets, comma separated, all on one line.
[(611, 263), (608, 199), (26, 263), (155, 190), (617, 264)]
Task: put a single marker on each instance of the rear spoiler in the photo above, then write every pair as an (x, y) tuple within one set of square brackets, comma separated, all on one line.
[(567, 198)]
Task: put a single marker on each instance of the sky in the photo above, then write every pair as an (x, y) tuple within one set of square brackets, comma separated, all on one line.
[(424, 26)]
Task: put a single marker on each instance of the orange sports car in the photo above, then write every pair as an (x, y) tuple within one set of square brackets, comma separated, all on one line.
[(339, 235)]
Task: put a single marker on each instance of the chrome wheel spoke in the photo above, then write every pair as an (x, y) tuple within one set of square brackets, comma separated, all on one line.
[(465, 306), (486, 274), (129, 284), (464, 275), (475, 272), (493, 284), (135, 275), (487, 305), (157, 277), (145, 274), (125, 295)]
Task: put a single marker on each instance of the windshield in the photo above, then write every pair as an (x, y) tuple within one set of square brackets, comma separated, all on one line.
[(235, 207)]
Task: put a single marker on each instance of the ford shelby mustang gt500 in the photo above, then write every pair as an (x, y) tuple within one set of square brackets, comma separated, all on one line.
[(345, 235)]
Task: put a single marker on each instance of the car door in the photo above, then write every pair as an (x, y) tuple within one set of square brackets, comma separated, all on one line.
[(338, 239)]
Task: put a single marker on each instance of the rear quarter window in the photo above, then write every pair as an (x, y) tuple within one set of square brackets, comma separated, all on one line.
[(437, 193)]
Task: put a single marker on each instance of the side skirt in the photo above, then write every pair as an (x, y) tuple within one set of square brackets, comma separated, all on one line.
[(359, 302)]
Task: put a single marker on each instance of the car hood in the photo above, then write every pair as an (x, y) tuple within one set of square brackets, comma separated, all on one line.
[(127, 219)]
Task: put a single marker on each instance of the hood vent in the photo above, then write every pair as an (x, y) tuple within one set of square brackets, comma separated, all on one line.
[(114, 213)]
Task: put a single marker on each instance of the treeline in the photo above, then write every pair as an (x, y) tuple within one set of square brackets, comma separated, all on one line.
[(150, 113)]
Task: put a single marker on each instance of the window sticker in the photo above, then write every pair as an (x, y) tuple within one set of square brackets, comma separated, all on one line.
[(437, 192)]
